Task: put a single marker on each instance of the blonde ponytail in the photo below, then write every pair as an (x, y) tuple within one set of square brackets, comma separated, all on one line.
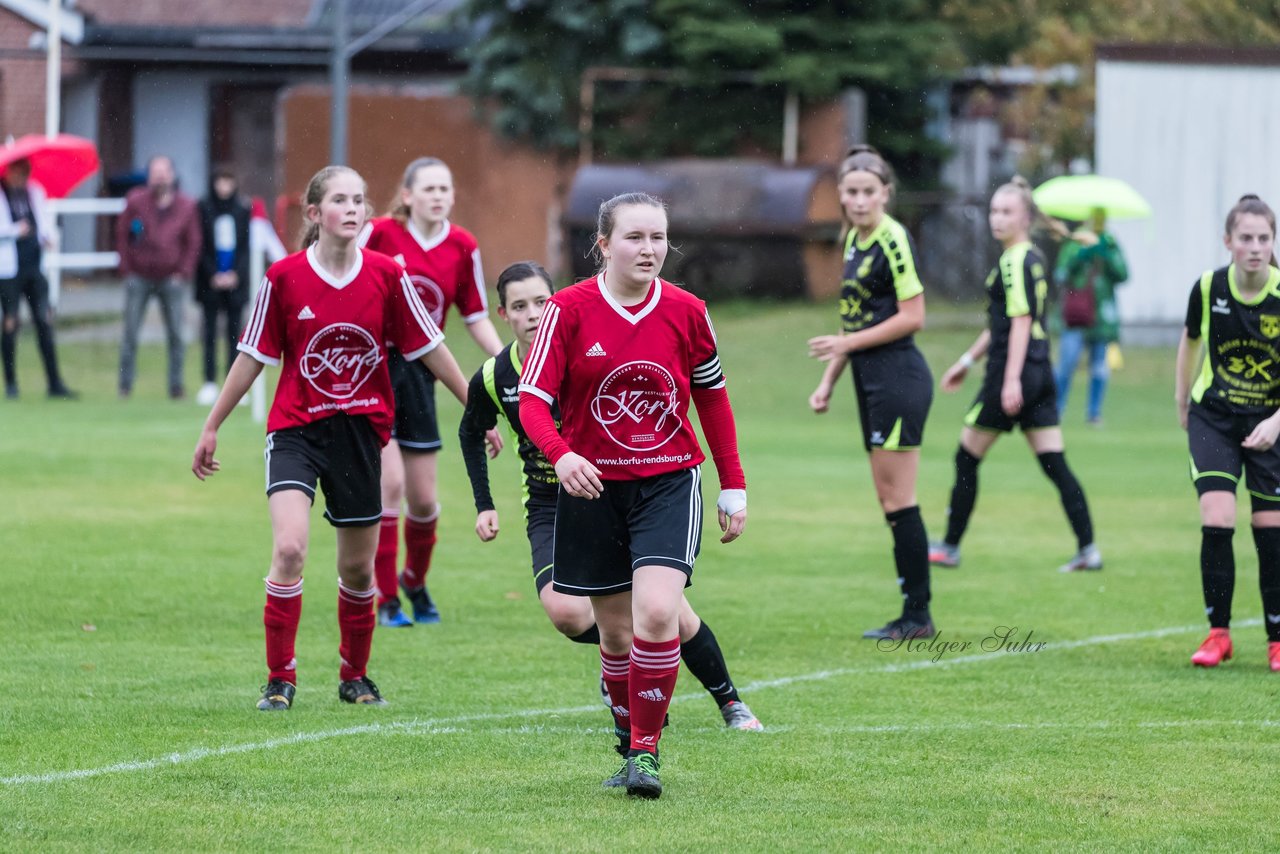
[(1021, 187)]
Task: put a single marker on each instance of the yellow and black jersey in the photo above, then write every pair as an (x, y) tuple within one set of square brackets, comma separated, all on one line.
[(493, 392), (1016, 287), (879, 273), (1241, 369)]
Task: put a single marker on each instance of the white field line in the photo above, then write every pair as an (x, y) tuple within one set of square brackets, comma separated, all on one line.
[(448, 725)]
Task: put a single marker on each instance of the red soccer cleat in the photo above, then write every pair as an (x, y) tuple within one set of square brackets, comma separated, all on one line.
[(1215, 649), (1273, 655)]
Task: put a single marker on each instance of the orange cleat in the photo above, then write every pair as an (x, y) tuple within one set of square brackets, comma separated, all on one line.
[(1215, 649), (1273, 655)]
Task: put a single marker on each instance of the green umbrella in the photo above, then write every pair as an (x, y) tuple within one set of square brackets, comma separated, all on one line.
[(1076, 197)]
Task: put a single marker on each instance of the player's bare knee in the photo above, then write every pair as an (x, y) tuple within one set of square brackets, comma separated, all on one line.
[(571, 615), (615, 640), (289, 555), (687, 622), (422, 509), (11, 323), (655, 619)]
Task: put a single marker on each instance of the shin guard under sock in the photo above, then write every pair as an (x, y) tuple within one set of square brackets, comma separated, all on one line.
[(355, 628), (911, 557), (652, 678), (1267, 541), (964, 495), (1056, 469), (703, 657), (280, 619), (384, 559), (1217, 574), (419, 543)]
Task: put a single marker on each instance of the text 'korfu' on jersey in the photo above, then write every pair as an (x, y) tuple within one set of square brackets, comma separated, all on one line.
[(329, 336)]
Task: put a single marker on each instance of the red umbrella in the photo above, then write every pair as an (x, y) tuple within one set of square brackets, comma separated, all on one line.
[(57, 164)]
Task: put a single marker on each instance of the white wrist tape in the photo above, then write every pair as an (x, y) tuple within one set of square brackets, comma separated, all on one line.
[(965, 360), (732, 501)]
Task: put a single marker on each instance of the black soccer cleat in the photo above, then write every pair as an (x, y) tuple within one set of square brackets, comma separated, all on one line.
[(277, 696), (424, 610), (360, 691), (618, 780), (903, 628), (642, 776)]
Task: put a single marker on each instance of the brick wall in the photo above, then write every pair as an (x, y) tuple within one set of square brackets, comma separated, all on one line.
[(21, 79), (197, 13), (508, 195)]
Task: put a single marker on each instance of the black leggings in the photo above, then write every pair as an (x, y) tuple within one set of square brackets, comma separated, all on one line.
[(215, 303), (31, 284)]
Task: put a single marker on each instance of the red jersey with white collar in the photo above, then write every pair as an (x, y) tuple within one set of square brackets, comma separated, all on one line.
[(444, 269), (329, 337), (623, 375)]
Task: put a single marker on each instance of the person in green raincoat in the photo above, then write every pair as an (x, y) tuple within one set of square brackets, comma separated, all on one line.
[(1090, 266)]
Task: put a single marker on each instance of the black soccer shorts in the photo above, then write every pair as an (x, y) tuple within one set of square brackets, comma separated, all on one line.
[(416, 427), (343, 454), (894, 390), (1039, 401), (656, 521), (540, 527), (1214, 438)]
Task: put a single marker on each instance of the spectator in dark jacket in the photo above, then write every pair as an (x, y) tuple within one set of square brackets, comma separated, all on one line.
[(26, 230), (158, 238), (222, 276)]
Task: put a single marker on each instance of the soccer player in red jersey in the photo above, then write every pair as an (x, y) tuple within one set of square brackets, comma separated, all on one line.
[(523, 291), (624, 353), (443, 262), (881, 309), (325, 315)]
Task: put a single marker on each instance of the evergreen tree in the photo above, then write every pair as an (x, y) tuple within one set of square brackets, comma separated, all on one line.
[(725, 65)]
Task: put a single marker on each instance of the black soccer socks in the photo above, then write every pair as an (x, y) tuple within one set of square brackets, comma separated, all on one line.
[(1217, 574), (911, 556)]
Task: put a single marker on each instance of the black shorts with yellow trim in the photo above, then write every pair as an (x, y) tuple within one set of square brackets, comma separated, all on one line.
[(600, 542), (343, 454), (416, 428), (1217, 458), (1039, 401), (540, 528), (894, 388)]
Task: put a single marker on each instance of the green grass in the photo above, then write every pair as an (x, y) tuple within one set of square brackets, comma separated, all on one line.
[(131, 602)]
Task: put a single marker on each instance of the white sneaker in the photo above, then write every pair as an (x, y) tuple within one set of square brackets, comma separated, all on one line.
[(738, 716), (207, 394), (1088, 559)]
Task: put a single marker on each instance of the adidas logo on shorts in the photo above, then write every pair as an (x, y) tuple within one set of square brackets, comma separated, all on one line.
[(653, 694), (596, 350), (306, 313)]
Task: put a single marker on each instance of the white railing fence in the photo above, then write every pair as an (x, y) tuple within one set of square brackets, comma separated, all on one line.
[(265, 248)]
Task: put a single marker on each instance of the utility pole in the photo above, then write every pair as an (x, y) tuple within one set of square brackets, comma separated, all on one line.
[(339, 71), (340, 64), (53, 71)]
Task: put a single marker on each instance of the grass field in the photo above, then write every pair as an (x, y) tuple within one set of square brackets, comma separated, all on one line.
[(131, 602)]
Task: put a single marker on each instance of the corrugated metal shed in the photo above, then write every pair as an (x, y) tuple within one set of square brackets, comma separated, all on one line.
[(1192, 129)]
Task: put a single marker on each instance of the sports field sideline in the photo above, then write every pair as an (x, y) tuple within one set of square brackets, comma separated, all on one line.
[(132, 604)]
